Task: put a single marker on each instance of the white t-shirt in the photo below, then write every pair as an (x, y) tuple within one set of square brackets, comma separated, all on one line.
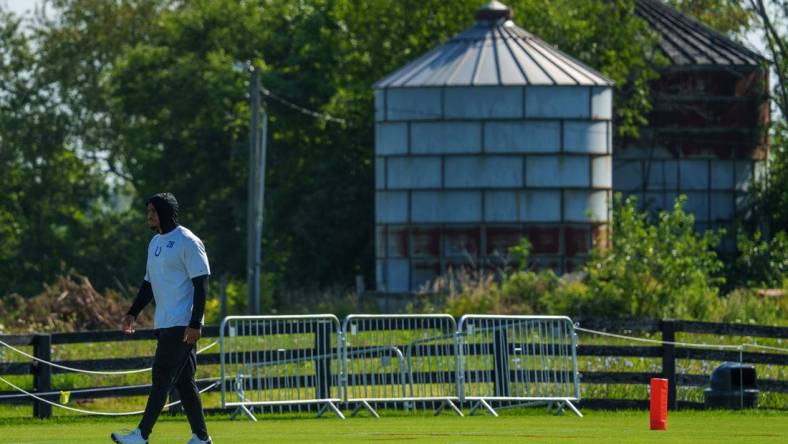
[(174, 259)]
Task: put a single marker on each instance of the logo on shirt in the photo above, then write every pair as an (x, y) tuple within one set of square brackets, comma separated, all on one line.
[(157, 252), (170, 244)]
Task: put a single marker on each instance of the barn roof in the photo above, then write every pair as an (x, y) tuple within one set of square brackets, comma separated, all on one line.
[(686, 41)]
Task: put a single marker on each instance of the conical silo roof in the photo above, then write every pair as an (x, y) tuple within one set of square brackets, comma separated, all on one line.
[(494, 51)]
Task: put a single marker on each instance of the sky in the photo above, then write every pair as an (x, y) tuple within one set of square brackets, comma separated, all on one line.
[(21, 6)]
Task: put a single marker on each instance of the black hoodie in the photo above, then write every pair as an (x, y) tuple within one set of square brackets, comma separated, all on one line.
[(167, 208)]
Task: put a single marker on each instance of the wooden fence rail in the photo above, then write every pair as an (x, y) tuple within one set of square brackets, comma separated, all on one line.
[(42, 349), (669, 353)]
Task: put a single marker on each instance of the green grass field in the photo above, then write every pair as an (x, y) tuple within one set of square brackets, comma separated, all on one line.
[(532, 425)]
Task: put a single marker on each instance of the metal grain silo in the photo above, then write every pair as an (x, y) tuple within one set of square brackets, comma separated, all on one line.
[(489, 138)]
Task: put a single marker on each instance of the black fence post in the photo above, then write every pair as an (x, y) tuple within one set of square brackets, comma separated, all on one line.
[(668, 329), (42, 374), (323, 356), (501, 359)]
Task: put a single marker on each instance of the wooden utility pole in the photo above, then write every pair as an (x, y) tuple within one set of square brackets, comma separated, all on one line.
[(257, 148)]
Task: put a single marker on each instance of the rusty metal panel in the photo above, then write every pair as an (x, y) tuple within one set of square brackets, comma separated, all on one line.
[(600, 236), (391, 207), (546, 263), (577, 241), (562, 102), (601, 172), (413, 104), (694, 174), (391, 138), (484, 102), (536, 136), (573, 265), (397, 241), (446, 137), (557, 171), (425, 242), (545, 240), (500, 239), (462, 242), (585, 137), (413, 172), (483, 172), (423, 273), (446, 206)]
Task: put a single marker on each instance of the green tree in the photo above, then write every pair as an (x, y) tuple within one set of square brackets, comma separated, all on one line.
[(48, 193)]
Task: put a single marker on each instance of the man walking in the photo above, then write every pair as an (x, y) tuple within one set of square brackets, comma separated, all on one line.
[(176, 276)]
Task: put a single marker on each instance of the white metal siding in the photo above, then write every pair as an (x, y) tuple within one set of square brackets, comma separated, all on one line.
[(413, 104), (585, 137), (484, 102), (557, 172), (484, 172), (446, 206), (413, 172), (565, 102), (535, 136), (391, 139), (446, 137)]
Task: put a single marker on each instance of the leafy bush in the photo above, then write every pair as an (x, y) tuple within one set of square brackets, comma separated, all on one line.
[(660, 269), (761, 262)]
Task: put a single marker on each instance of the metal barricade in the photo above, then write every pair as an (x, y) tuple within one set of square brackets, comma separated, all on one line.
[(280, 361), (506, 359), (399, 360)]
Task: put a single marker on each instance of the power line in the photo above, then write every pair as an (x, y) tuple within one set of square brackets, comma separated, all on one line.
[(301, 109)]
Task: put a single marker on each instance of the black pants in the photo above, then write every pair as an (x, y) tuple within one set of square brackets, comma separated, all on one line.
[(174, 365)]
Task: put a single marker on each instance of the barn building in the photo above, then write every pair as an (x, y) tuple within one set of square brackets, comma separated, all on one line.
[(706, 135)]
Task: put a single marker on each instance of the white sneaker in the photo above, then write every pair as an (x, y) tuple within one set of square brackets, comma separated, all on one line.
[(196, 440), (133, 437)]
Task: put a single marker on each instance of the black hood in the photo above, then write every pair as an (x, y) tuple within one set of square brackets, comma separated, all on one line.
[(167, 208)]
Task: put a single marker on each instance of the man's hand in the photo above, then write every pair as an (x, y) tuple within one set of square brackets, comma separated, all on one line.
[(191, 335), (128, 324)]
